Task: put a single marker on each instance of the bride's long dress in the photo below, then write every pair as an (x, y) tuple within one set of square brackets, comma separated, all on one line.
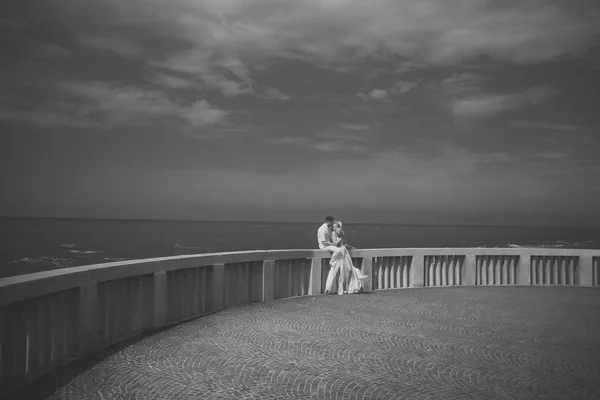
[(351, 278)]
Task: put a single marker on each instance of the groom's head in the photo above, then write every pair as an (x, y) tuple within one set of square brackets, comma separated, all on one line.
[(329, 220)]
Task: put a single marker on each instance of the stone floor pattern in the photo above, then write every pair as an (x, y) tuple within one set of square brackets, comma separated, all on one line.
[(444, 343)]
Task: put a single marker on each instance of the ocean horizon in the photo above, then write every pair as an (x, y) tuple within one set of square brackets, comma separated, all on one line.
[(32, 244)]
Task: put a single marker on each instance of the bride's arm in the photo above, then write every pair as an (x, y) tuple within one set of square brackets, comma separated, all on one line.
[(338, 241)]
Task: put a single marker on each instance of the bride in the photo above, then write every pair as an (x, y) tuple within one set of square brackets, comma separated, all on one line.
[(351, 278)]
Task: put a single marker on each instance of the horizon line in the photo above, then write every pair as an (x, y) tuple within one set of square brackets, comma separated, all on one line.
[(297, 222)]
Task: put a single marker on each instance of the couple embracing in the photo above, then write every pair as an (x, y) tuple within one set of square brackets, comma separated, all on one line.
[(331, 237)]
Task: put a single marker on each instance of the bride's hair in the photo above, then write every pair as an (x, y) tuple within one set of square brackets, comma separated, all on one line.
[(338, 223)]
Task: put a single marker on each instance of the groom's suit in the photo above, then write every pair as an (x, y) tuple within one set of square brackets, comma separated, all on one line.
[(324, 235)]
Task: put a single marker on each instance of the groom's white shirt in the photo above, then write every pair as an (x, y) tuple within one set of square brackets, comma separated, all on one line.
[(323, 235)]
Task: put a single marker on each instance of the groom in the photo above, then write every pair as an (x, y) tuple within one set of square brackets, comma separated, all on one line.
[(325, 243)]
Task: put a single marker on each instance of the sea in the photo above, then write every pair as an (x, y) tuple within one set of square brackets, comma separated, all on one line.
[(29, 245)]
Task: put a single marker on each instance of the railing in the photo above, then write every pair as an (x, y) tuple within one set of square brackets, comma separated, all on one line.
[(52, 318)]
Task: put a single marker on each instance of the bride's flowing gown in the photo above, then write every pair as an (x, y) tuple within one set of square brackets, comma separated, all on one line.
[(356, 277), (350, 278)]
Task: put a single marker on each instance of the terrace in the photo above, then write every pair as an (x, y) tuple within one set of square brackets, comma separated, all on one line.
[(433, 323)]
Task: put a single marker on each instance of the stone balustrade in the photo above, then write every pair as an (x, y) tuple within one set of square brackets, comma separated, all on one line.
[(52, 318)]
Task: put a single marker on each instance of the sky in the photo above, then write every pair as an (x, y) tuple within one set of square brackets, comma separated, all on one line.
[(400, 111)]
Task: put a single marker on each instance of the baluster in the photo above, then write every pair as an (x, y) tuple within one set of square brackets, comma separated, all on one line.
[(406, 272), (430, 270), (568, 272), (394, 273), (504, 269), (451, 265), (386, 266), (445, 267), (399, 269), (438, 270), (391, 268), (406, 260), (484, 269), (497, 267), (426, 271), (532, 270), (554, 270), (380, 273), (454, 270), (391, 271), (497, 270), (433, 271), (561, 267)]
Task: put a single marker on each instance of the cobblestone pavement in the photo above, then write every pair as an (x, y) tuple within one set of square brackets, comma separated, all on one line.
[(446, 343)]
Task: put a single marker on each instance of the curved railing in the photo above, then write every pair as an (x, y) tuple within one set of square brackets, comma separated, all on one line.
[(52, 318)]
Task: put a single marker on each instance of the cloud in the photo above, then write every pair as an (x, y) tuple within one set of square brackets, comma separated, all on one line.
[(401, 87), (42, 49), (103, 105), (374, 95), (31, 47), (339, 138), (274, 94), (343, 133), (547, 126), (553, 155), (462, 83), (114, 44), (203, 113), (480, 106), (122, 105), (340, 147), (328, 143), (173, 82), (336, 33), (485, 105), (354, 127), (227, 87), (227, 75), (397, 89), (287, 140)]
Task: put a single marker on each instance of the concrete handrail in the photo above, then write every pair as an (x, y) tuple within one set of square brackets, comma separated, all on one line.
[(51, 318)]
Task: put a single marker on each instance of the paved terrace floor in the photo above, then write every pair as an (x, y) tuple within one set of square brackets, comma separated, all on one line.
[(446, 343)]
